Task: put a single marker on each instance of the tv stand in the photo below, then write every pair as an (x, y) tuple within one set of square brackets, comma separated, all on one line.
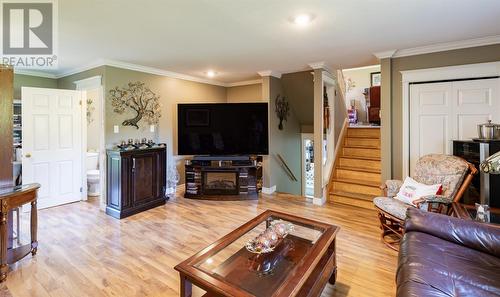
[(224, 178)]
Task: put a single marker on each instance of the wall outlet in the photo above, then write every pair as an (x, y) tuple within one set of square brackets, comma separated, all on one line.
[(116, 129), (152, 128)]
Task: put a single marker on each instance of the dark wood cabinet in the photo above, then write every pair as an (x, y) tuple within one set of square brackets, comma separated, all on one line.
[(136, 180)]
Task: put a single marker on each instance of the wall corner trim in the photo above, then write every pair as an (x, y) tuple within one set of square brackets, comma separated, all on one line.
[(244, 83), (94, 81), (385, 54), (317, 65), (264, 73), (269, 191)]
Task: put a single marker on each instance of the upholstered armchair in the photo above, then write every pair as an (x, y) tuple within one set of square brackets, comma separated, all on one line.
[(453, 173)]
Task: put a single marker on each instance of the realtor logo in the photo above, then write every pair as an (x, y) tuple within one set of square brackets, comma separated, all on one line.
[(28, 34)]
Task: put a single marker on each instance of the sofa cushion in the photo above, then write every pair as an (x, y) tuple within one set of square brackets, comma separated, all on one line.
[(393, 206), (430, 266)]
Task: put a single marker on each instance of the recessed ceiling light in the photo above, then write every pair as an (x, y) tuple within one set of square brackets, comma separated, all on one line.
[(302, 19), (211, 73)]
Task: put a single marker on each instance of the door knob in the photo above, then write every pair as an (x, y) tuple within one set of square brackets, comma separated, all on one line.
[(28, 155)]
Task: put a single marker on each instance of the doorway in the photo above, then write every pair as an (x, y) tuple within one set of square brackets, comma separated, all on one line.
[(445, 111), (307, 164), (74, 129), (52, 144), (94, 147)]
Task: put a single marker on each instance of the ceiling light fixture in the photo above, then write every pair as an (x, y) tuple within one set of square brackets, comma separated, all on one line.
[(211, 73), (302, 19)]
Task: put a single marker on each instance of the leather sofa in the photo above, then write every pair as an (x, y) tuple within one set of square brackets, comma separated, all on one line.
[(446, 256)]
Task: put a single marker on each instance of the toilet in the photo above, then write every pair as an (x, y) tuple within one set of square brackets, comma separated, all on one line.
[(93, 178)]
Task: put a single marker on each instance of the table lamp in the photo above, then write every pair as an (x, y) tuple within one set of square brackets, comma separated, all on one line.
[(492, 164)]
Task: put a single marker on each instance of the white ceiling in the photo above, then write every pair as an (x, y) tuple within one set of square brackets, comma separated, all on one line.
[(239, 38)]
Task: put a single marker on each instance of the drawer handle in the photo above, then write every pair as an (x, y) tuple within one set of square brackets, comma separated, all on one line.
[(133, 163)]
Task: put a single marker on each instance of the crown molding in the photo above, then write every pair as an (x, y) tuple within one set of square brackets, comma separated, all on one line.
[(35, 73), (157, 71), (439, 47), (244, 83), (361, 68), (385, 54), (317, 65), (269, 73)]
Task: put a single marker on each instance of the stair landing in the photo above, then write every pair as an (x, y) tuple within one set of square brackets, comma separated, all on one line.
[(356, 179)]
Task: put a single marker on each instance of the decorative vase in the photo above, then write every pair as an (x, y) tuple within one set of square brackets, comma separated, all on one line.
[(172, 180)]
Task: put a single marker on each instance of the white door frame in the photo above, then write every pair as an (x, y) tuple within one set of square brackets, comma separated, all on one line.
[(431, 75), (303, 137), (93, 83), (81, 97)]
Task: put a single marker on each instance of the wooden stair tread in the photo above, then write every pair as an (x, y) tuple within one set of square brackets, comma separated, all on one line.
[(357, 182), (363, 137), (359, 169), (353, 195), (362, 147), (360, 158)]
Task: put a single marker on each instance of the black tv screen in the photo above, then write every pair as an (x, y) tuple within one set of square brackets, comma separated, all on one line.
[(223, 129)]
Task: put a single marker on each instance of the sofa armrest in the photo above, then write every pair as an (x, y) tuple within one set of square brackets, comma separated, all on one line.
[(475, 235), (391, 187)]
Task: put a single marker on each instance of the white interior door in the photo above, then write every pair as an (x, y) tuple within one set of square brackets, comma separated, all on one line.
[(52, 144), (443, 112)]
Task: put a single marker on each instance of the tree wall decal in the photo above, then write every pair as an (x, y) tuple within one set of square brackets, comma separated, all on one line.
[(139, 98)]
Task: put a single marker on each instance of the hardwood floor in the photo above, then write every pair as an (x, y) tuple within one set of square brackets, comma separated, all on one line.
[(83, 252)]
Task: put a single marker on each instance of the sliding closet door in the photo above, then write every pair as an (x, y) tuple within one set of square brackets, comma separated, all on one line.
[(430, 132), (476, 102), (443, 112)]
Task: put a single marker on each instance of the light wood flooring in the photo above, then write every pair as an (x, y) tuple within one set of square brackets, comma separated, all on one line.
[(83, 252)]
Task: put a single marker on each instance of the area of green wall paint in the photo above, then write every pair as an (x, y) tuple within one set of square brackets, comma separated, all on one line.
[(21, 80), (482, 54), (287, 143), (173, 91), (68, 82)]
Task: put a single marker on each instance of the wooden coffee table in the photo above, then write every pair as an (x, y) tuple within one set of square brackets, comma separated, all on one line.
[(300, 265)]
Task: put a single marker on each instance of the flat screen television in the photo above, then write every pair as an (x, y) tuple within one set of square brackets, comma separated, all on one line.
[(220, 129)]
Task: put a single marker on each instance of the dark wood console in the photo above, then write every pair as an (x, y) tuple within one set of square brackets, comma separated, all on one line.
[(136, 180), (218, 179)]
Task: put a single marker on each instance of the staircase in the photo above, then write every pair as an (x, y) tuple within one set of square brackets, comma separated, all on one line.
[(356, 179)]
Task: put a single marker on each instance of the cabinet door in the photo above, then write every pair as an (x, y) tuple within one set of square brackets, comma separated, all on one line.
[(144, 177)]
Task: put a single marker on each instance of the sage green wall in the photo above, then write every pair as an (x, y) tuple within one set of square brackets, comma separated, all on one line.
[(473, 55), (68, 82), (286, 142), (21, 80), (171, 91), (299, 90), (247, 93)]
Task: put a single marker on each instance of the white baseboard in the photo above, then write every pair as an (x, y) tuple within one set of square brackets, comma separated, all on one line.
[(269, 191), (319, 201)]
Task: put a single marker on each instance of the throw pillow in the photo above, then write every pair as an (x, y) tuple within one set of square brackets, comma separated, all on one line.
[(412, 190)]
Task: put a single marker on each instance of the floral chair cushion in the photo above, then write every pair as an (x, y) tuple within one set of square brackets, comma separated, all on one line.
[(446, 170), (395, 207), (392, 206)]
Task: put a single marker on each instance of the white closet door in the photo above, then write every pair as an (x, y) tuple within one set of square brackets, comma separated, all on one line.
[(52, 144), (443, 112), (476, 102), (430, 113)]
